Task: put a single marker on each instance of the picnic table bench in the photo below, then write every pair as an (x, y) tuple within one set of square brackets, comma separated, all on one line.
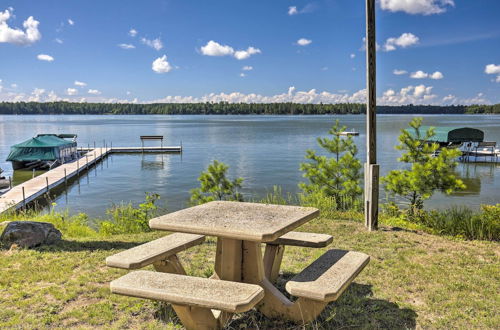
[(243, 276)]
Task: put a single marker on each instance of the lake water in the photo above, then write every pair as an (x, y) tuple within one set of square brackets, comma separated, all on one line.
[(264, 150)]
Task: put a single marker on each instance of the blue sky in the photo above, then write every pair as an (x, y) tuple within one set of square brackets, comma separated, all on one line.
[(431, 51)]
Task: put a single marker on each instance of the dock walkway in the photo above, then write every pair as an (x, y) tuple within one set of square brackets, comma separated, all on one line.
[(30, 190)]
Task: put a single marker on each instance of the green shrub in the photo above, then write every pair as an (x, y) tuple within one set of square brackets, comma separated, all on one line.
[(462, 222), (127, 219), (70, 226), (215, 186)]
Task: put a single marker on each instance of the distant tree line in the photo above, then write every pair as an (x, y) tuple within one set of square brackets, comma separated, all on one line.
[(225, 108)]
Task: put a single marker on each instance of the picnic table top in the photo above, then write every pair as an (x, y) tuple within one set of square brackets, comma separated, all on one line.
[(236, 220)]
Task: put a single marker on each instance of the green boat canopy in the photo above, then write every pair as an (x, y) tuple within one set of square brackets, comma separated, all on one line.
[(42, 147), (452, 134)]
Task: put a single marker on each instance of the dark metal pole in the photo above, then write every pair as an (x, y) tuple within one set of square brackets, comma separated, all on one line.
[(371, 167)]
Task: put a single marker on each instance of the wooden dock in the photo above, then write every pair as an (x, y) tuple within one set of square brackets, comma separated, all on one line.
[(20, 195)]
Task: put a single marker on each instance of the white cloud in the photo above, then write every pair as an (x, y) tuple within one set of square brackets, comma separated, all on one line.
[(425, 7), (45, 57), (80, 83), (71, 22), (17, 36), (11, 85), (309, 8), (478, 99), (436, 75), (242, 75), (71, 91), (352, 55), (492, 69), (160, 65), (311, 96), (399, 72), (422, 75), (132, 32), (403, 41), (247, 68), (419, 75), (94, 92), (420, 94), (128, 92), (292, 10), (304, 42), (213, 48), (126, 46), (244, 54), (155, 43), (59, 41)]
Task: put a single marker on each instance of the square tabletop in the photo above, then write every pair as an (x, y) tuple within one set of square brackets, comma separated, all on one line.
[(236, 220)]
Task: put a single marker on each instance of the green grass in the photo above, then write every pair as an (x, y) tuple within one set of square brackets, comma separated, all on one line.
[(414, 280)]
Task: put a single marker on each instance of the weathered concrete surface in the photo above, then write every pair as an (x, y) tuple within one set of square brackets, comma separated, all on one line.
[(236, 220), (29, 234), (327, 277), (312, 240), (148, 253), (189, 291)]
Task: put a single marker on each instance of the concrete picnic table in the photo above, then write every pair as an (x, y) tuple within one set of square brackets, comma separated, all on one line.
[(240, 229), (243, 278)]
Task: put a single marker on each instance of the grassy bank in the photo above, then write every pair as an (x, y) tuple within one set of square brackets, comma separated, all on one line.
[(414, 280)]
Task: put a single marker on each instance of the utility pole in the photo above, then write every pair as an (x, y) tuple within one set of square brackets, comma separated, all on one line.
[(371, 166)]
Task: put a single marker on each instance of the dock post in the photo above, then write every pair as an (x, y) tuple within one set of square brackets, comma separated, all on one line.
[(78, 166), (33, 174), (65, 177), (87, 159), (10, 182), (47, 183), (24, 198)]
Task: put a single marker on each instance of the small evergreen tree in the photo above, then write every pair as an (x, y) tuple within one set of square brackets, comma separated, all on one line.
[(336, 177), (215, 186), (428, 172)]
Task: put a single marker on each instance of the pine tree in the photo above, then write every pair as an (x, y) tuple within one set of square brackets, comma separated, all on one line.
[(427, 172), (337, 177), (214, 185)]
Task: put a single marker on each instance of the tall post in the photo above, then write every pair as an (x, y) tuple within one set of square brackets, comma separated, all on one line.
[(371, 167)]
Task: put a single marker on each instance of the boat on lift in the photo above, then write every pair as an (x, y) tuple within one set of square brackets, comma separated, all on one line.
[(43, 152)]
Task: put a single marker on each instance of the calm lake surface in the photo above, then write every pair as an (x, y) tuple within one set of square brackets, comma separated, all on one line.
[(264, 150)]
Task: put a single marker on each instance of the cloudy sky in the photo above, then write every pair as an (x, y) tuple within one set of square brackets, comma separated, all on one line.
[(430, 51)]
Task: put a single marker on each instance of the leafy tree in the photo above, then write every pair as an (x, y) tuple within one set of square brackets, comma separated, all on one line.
[(337, 177), (215, 186), (429, 171)]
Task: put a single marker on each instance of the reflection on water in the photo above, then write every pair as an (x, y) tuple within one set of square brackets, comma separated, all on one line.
[(264, 150)]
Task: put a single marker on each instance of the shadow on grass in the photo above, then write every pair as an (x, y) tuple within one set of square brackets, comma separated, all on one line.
[(355, 309), (75, 246)]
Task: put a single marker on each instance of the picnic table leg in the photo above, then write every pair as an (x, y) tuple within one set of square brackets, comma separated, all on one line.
[(170, 265), (228, 259), (275, 304), (273, 255), (196, 318)]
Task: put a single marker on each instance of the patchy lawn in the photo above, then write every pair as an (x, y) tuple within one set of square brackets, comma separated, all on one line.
[(414, 280)]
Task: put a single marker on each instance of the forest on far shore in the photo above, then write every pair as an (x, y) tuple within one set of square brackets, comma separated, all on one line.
[(225, 108)]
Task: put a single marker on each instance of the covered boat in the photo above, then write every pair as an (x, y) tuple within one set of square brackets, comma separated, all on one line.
[(453, 135), (44, 151)]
